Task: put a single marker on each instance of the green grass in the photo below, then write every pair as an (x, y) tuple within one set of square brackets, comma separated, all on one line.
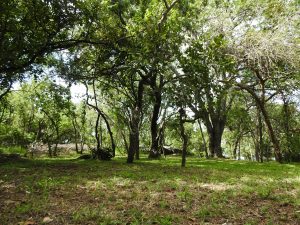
[(149, 192), (12, 150)]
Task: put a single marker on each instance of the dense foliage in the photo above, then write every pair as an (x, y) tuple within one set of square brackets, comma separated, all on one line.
[(211, 78)]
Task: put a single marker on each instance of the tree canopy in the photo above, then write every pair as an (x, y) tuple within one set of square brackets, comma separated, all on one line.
[(155, 72)]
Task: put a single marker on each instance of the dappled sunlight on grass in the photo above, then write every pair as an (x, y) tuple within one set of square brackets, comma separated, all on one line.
[(148, 191), (218, 186)]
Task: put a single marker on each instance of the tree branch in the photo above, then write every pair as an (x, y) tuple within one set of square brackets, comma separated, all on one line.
[(6, 91), (166, 12)]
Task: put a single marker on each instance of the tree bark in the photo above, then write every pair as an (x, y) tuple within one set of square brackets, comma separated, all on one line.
[(134, 136), (55, 149), (215, 139), (214, 118), (154, 150), (260, 134), (277, 150), (134, 140)]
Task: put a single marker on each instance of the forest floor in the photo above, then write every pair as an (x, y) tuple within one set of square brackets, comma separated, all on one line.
[(70, 191)]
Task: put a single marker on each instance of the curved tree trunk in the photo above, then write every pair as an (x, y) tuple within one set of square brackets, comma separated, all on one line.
[(104, 116), (261, 104), (277, 150), (113, 145)]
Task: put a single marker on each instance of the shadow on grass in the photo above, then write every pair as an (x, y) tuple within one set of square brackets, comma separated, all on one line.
[(149, 188), (144, 169)]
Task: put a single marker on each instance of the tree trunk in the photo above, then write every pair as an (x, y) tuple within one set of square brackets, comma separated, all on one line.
[(203, 139), (132, 141), (215, 139), (154, 150), (137, 149), (277, 151), (75, 136), (125, 142), (134, 135), (82, 141), (260, 134), (161, 137), (81, 145), (55, 149), (257, 158), (258, 143), (97, 137), (56, 139), (183, 136), (76, 147), (49, 149), (113, 145), (287, 132), (100, 132), (261, 103), (239, 151), (236, 144), (102, 114), (6, 91)]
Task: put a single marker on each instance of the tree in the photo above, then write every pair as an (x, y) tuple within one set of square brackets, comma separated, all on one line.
[(208, 97), (133, 63), (52, 102), (99, 151), (31, 30), (268, 56), (241, 124)]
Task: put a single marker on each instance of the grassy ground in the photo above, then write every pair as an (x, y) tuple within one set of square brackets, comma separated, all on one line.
[(68, 191)]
